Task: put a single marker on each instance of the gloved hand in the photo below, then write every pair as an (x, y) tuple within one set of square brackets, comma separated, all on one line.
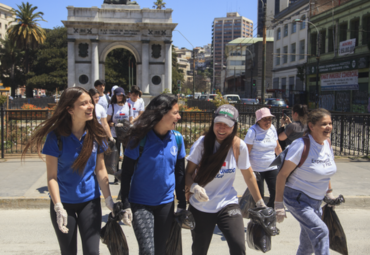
[(112, 139), (280, 211), (127, 217), (109, 203), (261, 204), (119, 125), (330, 195), (62, 217), (199, 193)]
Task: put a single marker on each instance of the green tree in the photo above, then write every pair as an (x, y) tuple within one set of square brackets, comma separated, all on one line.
[(159, 5), (176, 74)]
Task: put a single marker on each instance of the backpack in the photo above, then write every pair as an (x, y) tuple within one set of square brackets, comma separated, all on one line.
[(108, 100)]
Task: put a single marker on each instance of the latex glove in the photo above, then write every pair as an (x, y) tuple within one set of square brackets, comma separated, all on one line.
[(127, 217), (199, 193), (330, 195), (280, 211), (112, 139), (261, 204), (119, 125), (62, 217), (109, 203)]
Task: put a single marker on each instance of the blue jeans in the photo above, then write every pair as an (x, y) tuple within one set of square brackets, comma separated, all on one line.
[(314, 237)]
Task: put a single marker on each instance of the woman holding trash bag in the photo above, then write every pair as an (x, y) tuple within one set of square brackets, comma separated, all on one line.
[(263, 144), (297, 128), (214, 199), (147, 190), (74, 146), (306, 187)]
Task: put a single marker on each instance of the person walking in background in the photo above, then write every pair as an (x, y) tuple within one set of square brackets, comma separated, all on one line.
[(138, 106), (308, 184), (104, 100), (263, 144), (214, 201), (74, 147), (147, 192), (297, 128)]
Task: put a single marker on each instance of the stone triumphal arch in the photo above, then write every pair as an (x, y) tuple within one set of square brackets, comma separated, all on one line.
[(146, 33)]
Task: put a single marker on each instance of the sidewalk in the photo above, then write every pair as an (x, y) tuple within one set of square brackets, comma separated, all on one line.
[(23, 185)]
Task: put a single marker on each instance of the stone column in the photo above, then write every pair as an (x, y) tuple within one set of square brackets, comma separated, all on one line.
[(71, 63), (101, 70), (94, 61), (145, 66), (168, 66), (139, 70)]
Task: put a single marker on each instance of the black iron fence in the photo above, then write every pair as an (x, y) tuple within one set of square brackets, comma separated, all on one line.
[(350, 136), (17, 103)]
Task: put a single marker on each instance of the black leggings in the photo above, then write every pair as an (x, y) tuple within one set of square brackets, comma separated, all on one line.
[(87, 216), (229, 220), (152, 226), (270, 177)]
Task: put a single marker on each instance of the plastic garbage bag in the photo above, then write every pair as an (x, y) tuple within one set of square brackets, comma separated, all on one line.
[(112, 234), (183, 219), (266, 217), (246, 203), (337, 237), (122, 130), (111, 158), (257, 238)]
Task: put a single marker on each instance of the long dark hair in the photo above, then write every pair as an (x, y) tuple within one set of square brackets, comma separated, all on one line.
[(316, 115), (211, 163), (115, 101), (154, 112), (61, 124), (93, 92), (302, 112)]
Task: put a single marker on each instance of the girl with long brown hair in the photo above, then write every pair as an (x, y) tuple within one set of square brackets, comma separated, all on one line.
[(74, 146), (214, 200)]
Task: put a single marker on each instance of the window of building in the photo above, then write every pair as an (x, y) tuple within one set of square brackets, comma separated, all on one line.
[(277, 58), (285, 56), (343, 32), (278, 34), (322, 41), (294, 27), (292, 51), (285, 30), (303, 23), (275, 83), (6, 26), (355, 26), (365, 29), (283, 85), (331, 34), (313, 44)]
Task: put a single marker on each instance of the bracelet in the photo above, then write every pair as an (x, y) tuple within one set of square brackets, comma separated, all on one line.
[(329, 190)]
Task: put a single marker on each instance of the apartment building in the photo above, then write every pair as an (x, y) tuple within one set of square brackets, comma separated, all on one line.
[(225, 30), (5, 18)]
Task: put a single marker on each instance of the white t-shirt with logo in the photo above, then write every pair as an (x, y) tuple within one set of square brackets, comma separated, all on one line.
[(100, 112), (120, 113), (220, 190), (264, 143), (137, 106), (313, 177), (103, 102)]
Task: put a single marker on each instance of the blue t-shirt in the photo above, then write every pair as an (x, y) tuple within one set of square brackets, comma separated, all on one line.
[(153, 182), (73, 187)]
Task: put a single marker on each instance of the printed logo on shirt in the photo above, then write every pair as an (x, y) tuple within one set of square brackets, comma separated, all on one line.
[(134, 109), (325, 163), (267, 140), (122, 114), (225, 171), (234, 212), (174, 150), (224, 164)]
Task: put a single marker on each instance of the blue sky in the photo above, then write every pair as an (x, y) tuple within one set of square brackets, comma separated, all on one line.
[(194, 17)]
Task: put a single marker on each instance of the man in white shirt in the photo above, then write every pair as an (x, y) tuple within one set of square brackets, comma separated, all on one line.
[(136, 102), (104, 99)]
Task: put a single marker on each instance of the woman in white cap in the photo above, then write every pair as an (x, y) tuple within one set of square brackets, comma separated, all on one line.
[(263, 144), (214, 201)]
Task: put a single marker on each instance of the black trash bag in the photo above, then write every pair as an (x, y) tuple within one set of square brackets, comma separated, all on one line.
[(340, 199), (257, 238), (337, 237), (266, 217), (246, 203), (183, 219), (112, 234), (122, 132), (111, 158)]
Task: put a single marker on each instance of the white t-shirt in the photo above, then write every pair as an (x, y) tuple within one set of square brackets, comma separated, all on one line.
[(137, 106), (100, 112), (313, 177), (103, 102), (120, 113), (264, 143), (220, 190)]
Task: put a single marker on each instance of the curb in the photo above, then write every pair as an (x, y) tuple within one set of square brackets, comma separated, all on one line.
[(352, 202)]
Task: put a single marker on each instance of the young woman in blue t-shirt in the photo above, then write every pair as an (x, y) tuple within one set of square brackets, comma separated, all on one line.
[(74, 149), (147, 191)]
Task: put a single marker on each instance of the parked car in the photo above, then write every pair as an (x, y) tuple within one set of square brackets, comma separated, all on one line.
[(232, 98), (249, 101), (197, 95), (189, 96), (276, 102), (208, 97)]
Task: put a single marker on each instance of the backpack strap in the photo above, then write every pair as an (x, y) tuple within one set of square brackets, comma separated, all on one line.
[(236, 148), (107, 97), (179, 138), (305, 151)]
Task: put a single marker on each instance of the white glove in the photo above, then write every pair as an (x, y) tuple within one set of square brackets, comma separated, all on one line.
[(62, 217), (119, 125), (280, 211), (127, 217), (199, 193), (112, 139), (261, 204), (109, 203), (330, 195)]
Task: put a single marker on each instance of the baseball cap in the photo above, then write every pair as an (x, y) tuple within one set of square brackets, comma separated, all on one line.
[(119, 91), (227, 114)]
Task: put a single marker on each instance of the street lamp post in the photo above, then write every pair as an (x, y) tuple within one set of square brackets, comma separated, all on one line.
[(317, 60), (252, 64)]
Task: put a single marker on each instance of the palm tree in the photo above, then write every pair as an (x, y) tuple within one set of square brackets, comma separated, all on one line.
[(159, 4)]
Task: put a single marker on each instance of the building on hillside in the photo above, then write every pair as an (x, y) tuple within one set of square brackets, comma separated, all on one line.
[(290, 52), (5, 18), (183, 57), (225, 30), (344, 49), (242, 72)]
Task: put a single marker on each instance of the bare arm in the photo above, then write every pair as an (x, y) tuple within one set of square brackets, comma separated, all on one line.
[(137, 116), (282, 136), (251, 182), (250, 147), (285, 171), (131, 119), (190, 169), (52, 175), (278, 149), (106, 127), (109, 118), (102, 175)]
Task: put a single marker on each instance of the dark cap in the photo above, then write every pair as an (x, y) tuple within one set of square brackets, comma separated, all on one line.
[(119, 91), (227, 114)]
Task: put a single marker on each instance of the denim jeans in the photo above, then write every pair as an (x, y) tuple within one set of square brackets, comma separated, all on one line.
[(314, 237)]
